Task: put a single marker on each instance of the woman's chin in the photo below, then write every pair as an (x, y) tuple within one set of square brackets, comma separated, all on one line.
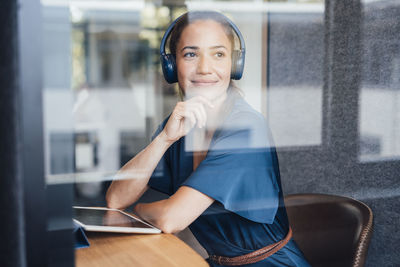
[(211, 93), (197, 92)]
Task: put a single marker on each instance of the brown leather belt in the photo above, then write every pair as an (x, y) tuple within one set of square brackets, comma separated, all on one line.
[(254, 256)]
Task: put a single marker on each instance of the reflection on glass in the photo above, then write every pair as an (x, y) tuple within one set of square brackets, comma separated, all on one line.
[(380, 92), (296, 49), (111, 92), (104, 91)]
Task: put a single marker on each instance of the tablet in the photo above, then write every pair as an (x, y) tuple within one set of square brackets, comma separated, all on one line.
[(111, 220)]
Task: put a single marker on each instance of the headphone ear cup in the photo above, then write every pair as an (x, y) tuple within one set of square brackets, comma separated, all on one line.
[(237, 64), (233, 68), (168, 66)]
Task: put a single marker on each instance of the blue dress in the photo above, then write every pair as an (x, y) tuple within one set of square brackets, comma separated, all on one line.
[(241, 173)]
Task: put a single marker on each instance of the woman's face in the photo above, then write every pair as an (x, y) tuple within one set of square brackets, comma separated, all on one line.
[(203, 58)]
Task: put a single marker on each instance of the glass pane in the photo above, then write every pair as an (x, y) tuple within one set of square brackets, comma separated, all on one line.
[(105, 94), (295, 77), (380, 89), (103, 90)]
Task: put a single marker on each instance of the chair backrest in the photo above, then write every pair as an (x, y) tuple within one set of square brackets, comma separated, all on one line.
[(330, 230)]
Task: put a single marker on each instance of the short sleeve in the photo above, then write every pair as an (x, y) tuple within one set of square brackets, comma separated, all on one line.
[(239, 170), (160, 180)]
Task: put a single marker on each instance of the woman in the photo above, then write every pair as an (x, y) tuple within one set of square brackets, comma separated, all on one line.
[(213, 155)]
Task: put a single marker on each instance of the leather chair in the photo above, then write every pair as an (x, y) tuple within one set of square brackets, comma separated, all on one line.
[(330, 230)]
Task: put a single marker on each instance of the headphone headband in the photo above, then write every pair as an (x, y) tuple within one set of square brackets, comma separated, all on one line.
[(168, 60), (172, 25)]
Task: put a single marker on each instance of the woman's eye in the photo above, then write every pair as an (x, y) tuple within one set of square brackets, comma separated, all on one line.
[(189, 54), (219, 54)]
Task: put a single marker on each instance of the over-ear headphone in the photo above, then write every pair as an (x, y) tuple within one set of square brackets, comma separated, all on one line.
[(168, 63)]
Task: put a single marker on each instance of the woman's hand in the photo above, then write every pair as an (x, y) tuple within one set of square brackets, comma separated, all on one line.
[(185, 116)]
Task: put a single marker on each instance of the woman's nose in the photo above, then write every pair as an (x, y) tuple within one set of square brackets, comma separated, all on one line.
[(204, 65)]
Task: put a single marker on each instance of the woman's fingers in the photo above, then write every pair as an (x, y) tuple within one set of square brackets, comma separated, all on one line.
[(191, 122), (192, 111), (207, 103), (184, 116), (198, 105), (189, 113), (199, 112)]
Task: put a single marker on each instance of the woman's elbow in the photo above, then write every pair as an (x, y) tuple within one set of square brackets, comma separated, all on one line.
[(112, 201), (169, 226), (169, 229)]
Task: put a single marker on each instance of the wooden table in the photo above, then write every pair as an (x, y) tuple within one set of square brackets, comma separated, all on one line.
[(115, 250)]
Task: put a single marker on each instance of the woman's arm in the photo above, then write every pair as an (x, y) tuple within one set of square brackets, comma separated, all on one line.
[(133, 177), (177, 212)]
